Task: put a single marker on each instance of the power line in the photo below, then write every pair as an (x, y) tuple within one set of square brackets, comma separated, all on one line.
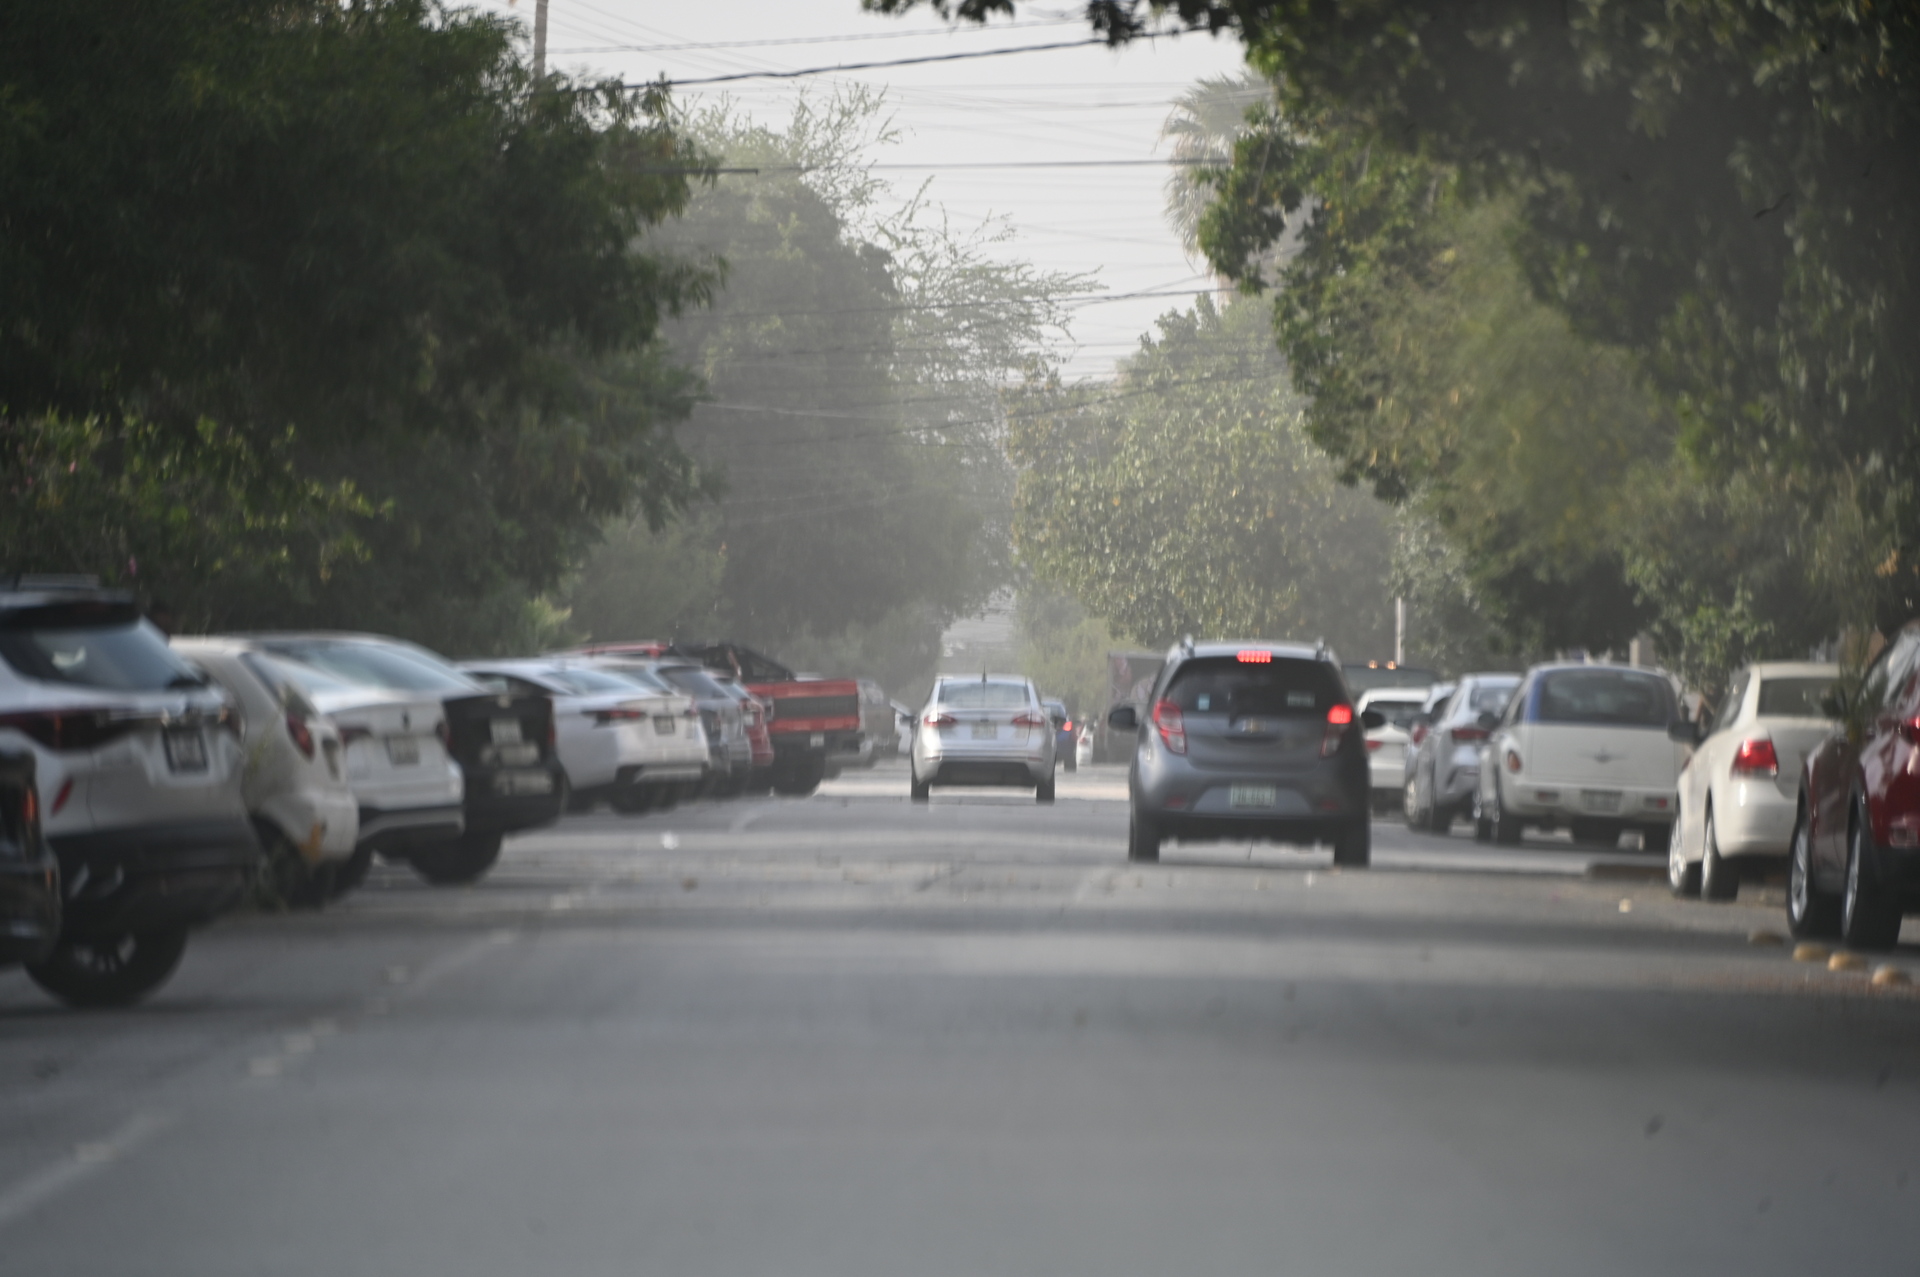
[(819, 39), (852, 66)]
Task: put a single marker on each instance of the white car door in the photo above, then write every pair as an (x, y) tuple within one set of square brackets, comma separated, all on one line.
[(1709, 759)]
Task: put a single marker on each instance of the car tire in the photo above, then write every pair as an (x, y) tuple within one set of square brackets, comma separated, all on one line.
[(110, 973), (918, 790), (465, 859), (1439, 818), (1683, 875), (1410, 804), (1718, 879), (1811, 913), (1482, 827), (570, 801), (1868, 920), (1043, 792), (286, 879), (350, 873), (1506, 827), (1143, 840), (632, 800), (1071, 762), (1353, 846)]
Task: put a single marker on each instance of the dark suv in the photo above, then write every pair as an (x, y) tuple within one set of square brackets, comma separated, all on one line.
[(1249, 740)]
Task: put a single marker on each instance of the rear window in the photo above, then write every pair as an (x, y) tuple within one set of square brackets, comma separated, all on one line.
[(1282, 689), (1397, 713), (1793, 697), (321, 665), (1606, 697), (986, 695), (1490, 700), (587, 682), (691, 680), (56, 645)]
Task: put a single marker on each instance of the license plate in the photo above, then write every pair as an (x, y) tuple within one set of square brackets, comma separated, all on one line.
[(186, 750), (1254, 795), (663, 725), (523, 783), (522, 755), (403, 751), (506, 731), (818, 740), (1600, 799), (985, 731)]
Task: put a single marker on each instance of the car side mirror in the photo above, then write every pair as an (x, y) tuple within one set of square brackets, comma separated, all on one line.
[(1487, 721), (1123, 718), (1372, 719)]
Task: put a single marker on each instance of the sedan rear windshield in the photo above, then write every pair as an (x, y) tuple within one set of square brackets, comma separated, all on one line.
[(1607, 697), (984, 695), (585, 682), (692, 680), (1793, 697), (322, 665), (1397, 713), (121, 657), (1281, 689)]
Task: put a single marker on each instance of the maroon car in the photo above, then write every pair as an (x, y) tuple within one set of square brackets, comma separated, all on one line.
[(1855, 865)]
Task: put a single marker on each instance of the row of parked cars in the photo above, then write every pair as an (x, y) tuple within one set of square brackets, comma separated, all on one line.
[(147, 785)]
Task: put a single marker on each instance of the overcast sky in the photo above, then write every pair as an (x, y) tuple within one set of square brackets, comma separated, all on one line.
[(1066, 104)]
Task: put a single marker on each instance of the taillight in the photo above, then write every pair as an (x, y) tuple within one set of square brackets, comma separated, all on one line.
[(1756, 757), (1339, 719), (1374, 744), (301, 734), (1067, 726), (60, 799), (30, 808), (939, 720), (64, 730), (620, 714), (1468, 733), (1029, 720), (1418, 734), (1171, 725), (1513, 761)]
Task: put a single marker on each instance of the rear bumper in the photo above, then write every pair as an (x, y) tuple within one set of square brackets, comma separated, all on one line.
[(1019, 772), (118, 881), (801, 745), (399, 828), (510, 798), (1762, 826), (1302, 831), (1559, 801)]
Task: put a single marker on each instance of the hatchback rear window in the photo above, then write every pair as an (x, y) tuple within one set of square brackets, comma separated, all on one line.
[(1604, 697), (1793, 697), (972, 695), (58, 646), (1281, 689)]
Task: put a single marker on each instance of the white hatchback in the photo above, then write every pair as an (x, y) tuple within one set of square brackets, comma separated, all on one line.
[(295, 782), (1595, 749), (1740, 791)]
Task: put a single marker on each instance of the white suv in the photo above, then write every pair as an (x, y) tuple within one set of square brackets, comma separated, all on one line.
[(138, 764)]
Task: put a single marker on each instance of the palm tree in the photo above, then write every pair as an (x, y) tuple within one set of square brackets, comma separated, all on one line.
[(1205, 122)]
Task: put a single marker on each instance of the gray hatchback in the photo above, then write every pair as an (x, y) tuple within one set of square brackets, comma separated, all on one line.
[(1249, 740)]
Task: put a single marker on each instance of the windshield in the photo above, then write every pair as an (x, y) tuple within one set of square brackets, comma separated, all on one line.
[(331, 664), (1793, 697), (1604, 697), (124, 657), (989, 695)]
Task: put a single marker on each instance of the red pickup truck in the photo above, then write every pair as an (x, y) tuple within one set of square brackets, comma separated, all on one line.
[(812, 719)]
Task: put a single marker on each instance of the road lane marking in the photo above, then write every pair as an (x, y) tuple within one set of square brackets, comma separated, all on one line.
[(88, 1159)]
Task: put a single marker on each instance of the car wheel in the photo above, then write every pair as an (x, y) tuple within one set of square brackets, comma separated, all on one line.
[(1506, 826), (1439, 818), (1867, 919), (1683, 875), (918, 790), (1353, 846), (1482, 827), (1410, 804), (466, 859), (1718, 881), (1811, 913), (1143, 839), (110, 973), (350, 873), (1071, 762), (1043, 792), (286, 879), (570, 801)]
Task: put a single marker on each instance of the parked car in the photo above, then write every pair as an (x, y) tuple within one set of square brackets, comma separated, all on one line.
[(1432, 707), (879, 733), (1387, 743), (1740, 790), (903, 721), (755, 715), (990, 730), (618, 740), (1084, 746), (295, 783), (729, 751), (1854, 865), (502, 741), (137, 766), (29, 875), (1596, 748), (1063, 743), (1443, 769), (1249, 740)]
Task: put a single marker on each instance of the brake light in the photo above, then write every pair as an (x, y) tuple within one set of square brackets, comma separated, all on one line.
[(1339, 719), (1029, 720), (621, 714), (1513, 761), (1171, 725), (60, 799), (1340, 715), (1469, 733), (1374, 744), (1418, 734), (301, 735), (1253, 657), (939, 720), (1756, 757), (1067, 726)]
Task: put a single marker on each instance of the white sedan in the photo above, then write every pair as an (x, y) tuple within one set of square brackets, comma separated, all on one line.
[(1740, 791), (1387, 743)]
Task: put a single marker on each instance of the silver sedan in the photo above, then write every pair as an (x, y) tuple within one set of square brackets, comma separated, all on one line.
[(990, 730)]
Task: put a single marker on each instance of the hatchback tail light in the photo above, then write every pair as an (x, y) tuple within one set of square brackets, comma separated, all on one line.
[(1469, 734), (1756, 757), (939, 720), (1172, 726), (1339, 720), (300, 732)]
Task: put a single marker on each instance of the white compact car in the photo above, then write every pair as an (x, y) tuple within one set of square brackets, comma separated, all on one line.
[(1387, 743), (1596, 749), (138, 765), (990, 730), (617, 737), (295, 781), (1740, 791)]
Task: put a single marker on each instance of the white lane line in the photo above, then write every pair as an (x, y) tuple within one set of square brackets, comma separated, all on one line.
[(86, 1160)]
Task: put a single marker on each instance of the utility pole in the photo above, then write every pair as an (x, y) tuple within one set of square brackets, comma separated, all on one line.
[(540, 40), (1399, 626)]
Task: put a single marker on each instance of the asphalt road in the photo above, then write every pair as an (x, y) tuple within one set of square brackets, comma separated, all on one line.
[(847, 1036)]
